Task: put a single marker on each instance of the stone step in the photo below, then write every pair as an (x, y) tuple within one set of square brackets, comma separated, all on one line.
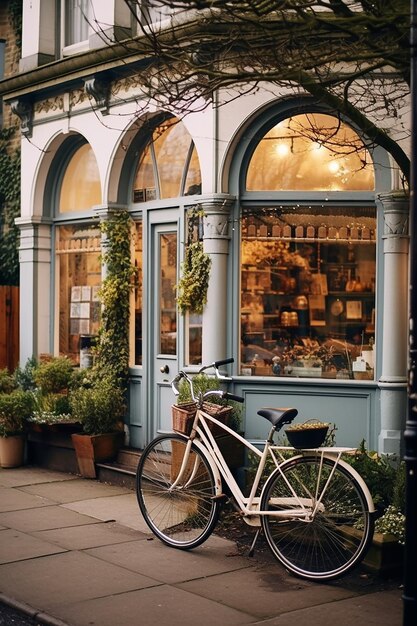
[(122, 471)]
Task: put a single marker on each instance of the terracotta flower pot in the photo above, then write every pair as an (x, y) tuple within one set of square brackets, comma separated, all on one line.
[(12, 451), (91, 449)]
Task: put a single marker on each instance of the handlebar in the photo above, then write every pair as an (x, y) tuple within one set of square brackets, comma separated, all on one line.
[(215, 365)]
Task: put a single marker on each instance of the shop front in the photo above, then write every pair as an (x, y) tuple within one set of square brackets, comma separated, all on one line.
[(308, 248)]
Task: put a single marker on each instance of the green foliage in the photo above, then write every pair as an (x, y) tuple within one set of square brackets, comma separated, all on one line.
[(112, 350), (15, 408), (99, 404), (392, 522), (379, 472), (54, 375), (193, 284), (203, 383), (7, 381), (9, 209), (25, 376)]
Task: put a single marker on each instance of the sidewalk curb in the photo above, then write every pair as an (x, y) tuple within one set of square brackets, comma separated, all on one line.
[(43, 618)]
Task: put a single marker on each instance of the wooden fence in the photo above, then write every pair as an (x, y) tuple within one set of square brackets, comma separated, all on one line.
[(9, 327)]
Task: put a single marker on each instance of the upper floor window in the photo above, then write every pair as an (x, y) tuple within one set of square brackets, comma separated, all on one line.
[(312, 151), (169, 166), (76, 21), (80, 187)]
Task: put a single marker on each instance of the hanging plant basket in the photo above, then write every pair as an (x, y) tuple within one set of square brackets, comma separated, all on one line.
[(193, 285)]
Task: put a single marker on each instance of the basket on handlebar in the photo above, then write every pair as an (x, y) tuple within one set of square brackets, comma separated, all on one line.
[(183, 416)]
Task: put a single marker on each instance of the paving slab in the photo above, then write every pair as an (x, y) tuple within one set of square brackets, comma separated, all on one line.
[(17, 546), (15, 500), (27, 475), (264, 591), (44, 518), (66, 578), (374, 609), (90, 536), (75, 490), (156, 606), (123, 509), (169, 565)]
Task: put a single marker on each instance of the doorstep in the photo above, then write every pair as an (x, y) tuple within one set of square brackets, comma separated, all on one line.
[(122, 471)]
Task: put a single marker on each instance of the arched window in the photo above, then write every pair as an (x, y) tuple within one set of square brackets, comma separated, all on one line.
[(311, 151), (308, 251), (77, 248), (169, 166), (80, 186)]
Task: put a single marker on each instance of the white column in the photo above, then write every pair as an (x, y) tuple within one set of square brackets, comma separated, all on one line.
[(35, 288), (216, 245), (393, 380)]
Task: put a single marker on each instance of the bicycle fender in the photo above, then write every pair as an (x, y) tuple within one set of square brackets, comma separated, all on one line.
[(349, 469)]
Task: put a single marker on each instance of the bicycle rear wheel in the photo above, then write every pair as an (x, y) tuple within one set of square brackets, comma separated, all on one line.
[(334, 539), (182, 515)]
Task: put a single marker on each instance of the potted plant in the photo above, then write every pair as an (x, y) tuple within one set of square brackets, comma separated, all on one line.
[(385, 477), (99, 405), (15, 408)]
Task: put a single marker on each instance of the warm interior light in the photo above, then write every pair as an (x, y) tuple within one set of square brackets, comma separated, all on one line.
[(282, 149)]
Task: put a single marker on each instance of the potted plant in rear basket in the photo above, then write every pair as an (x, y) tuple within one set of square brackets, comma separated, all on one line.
[(15, 408), (99, 405)]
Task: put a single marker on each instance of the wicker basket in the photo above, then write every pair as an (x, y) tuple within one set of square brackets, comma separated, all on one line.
[(309, 437), (183, 416)]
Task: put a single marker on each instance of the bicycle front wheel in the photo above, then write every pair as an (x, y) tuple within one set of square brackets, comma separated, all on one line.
[(331, 526), (182, 513)]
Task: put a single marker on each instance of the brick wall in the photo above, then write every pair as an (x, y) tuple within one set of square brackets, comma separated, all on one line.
[(12, 56)]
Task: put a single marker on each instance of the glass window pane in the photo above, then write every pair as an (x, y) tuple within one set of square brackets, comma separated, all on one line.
[(80, 188), (76, 21), (167, 282), (310, 152), (144, 186), (193, 180), (171, 144), (79, 275), (138, 293), (308, 292)]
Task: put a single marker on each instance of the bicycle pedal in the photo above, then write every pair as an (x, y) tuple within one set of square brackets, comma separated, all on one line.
[(220, 496)]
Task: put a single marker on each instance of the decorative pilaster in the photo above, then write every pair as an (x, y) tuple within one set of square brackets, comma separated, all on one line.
[(216, 245), (35, 287), (393, 380)]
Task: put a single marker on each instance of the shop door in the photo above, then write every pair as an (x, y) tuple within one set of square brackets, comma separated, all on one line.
[(164, 340)]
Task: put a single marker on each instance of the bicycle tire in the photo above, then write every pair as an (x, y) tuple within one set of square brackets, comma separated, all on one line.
[(184, 516), (336, 539)]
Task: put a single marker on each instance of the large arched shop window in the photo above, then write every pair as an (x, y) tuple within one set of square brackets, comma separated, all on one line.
[(308, 255), (77, 248), (168, 167)]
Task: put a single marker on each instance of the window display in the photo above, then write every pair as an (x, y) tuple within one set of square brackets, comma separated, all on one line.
[(308, 291), (79, 271)]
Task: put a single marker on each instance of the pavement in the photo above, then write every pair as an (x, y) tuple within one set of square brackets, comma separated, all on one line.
[(76, 552)]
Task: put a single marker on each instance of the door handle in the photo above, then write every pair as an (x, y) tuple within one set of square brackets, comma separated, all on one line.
[(164, 369)]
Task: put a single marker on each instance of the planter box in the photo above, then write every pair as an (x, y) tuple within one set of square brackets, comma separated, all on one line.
[(385, 554), (51, 447), (91, 449)]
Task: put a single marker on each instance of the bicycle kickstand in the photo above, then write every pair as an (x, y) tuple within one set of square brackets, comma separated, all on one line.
[(255, 539)]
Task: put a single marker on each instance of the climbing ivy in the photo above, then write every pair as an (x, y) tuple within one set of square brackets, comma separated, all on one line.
[(9, 209), (112, 350)]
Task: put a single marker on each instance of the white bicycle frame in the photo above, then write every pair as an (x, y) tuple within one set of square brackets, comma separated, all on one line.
[(249, 505)]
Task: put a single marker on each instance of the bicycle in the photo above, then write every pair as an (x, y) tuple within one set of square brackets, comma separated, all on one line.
[(314, 509)]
